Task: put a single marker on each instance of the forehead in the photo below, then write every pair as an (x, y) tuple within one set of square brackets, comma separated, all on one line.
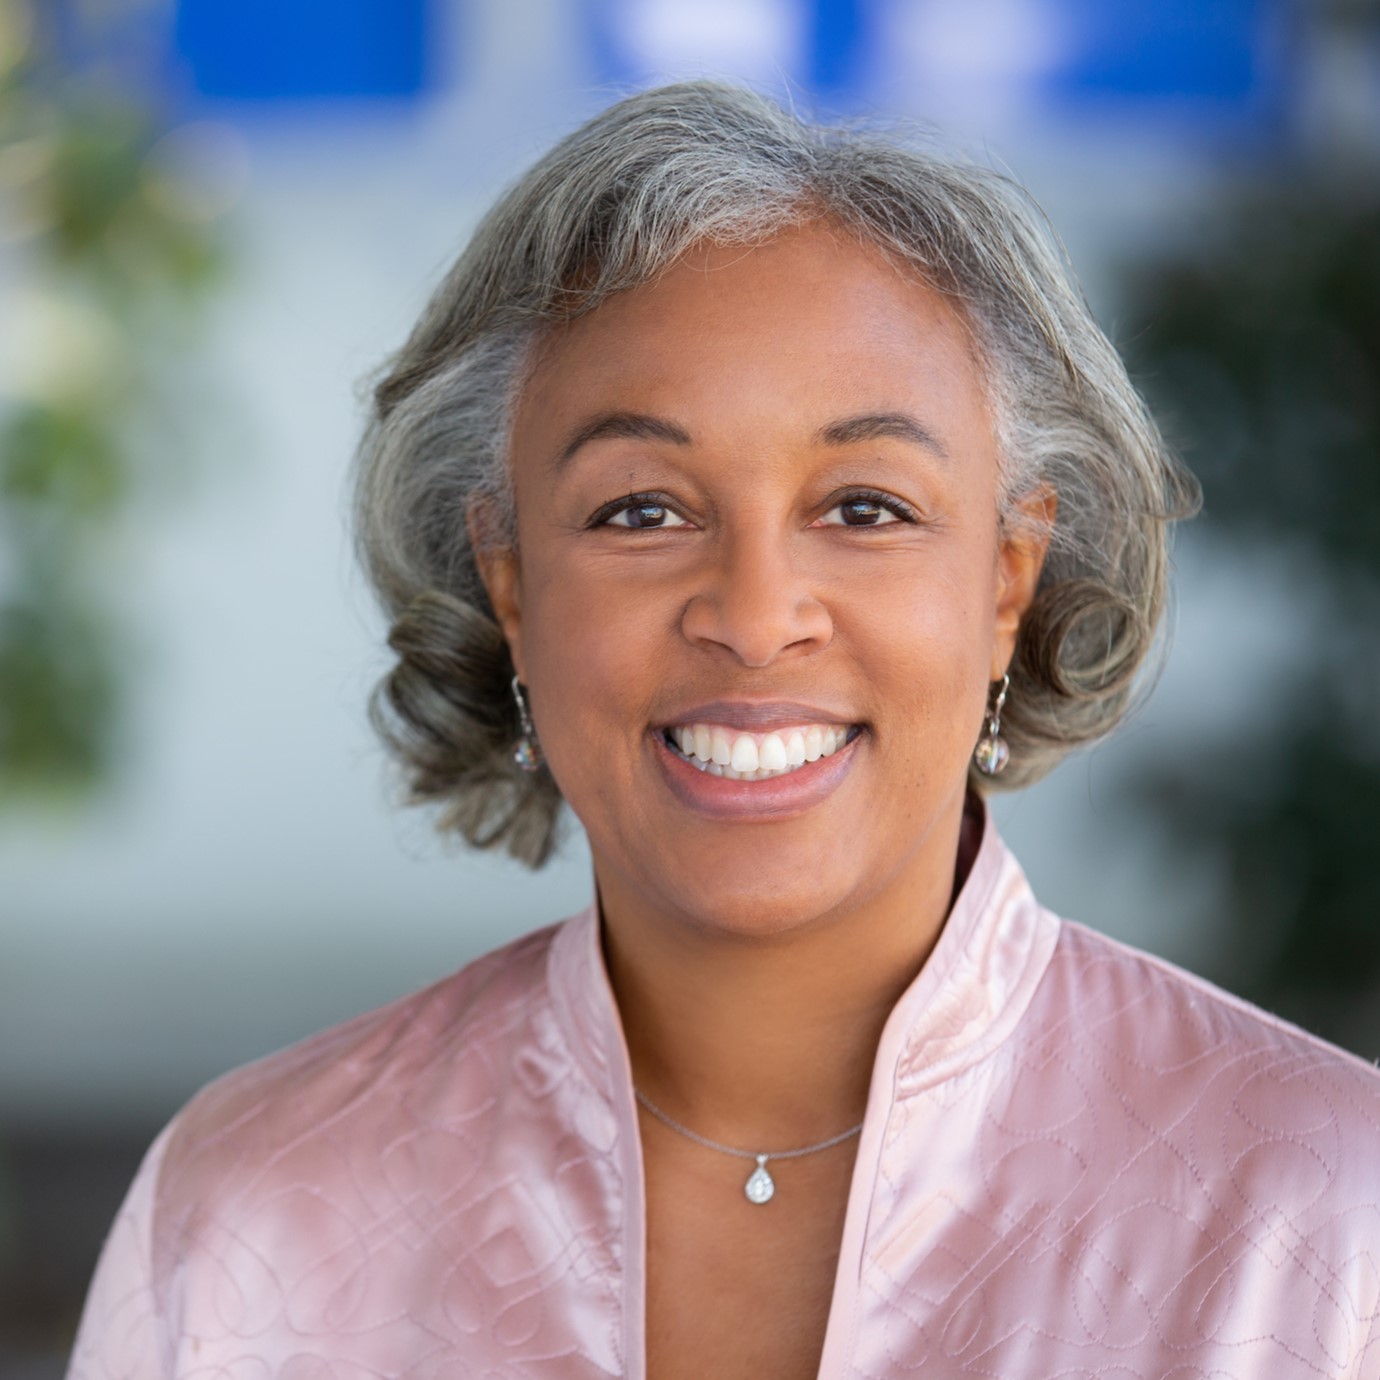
[(790, 334)]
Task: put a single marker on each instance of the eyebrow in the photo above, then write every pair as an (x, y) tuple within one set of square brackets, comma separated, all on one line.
[(630, 426), (871, 426), (641, 426)]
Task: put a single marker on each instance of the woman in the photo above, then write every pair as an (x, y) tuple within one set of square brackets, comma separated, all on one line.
[(766, 493)]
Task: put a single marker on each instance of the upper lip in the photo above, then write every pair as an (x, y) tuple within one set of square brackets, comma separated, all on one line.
[(756, 715)]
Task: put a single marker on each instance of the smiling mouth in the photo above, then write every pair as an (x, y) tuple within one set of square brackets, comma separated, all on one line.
[(739, 756)]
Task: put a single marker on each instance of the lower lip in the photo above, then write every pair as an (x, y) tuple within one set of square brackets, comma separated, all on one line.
[(778, 797)]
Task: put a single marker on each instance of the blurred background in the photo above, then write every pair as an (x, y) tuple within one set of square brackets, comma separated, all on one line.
[(217, 216)]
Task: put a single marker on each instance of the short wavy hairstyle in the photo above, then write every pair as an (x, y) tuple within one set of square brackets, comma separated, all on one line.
[(613, 206)]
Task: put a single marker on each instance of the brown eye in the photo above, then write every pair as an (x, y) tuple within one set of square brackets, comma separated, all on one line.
[(859, 512), (645, 515)]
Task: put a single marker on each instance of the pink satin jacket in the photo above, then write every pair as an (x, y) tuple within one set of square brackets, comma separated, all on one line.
[(1077, 1161)]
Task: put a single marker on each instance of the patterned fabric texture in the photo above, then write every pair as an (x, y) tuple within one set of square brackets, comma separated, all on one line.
[(1077, 1161)]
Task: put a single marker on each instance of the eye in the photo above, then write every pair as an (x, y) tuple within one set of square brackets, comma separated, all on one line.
[(867, 510), (640, 512)]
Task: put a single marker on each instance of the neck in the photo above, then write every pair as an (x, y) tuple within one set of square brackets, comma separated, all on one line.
[(771, 1040)]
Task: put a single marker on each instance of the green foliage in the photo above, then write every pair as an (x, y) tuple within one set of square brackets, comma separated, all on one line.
[(1261, 349), (1265, 343), (116, 252)]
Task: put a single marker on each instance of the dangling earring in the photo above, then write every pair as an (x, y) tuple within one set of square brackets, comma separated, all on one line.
[(992, 754), (526, 753)]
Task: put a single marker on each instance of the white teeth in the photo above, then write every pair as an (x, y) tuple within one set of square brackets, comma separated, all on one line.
[(703, 746), (771, 756), (755, 757), (744, 757)]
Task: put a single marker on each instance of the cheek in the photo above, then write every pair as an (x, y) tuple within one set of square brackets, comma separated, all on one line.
[(930, 629), (925, 638), (595, 650)]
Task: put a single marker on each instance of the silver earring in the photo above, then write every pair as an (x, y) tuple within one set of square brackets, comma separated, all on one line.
[(992, 754), (526, 753)]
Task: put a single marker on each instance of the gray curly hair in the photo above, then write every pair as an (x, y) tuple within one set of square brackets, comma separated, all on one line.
[(611, 207)]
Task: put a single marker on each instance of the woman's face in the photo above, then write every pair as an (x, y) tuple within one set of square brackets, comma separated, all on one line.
[(757, 522)]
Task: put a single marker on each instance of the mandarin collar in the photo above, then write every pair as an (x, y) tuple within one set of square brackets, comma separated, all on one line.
[(973, 989)]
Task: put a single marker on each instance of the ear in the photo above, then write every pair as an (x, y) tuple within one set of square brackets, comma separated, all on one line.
[(1020, 558), (496, 557)]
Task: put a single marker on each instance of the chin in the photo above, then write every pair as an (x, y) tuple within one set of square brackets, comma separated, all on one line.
[(760, 905)]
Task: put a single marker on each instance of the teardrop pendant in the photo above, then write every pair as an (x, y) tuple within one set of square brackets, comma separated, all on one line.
[(760, 1185), (992, 755)]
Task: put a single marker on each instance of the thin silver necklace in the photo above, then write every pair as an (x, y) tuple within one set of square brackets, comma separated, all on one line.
[(760, 1185)]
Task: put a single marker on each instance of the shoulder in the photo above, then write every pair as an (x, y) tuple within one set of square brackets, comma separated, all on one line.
[(1244, 1097), (311, 1112), (1166, 1011), (309, 1080)]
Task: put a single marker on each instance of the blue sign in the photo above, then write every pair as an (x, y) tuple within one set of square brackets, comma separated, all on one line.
[(1206, 50), (265, 50)]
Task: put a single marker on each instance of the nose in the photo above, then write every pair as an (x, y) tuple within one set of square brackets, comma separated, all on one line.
[(754, 599)]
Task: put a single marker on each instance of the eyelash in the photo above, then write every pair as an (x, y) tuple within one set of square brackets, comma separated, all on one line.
[(893, 505), (898, 509), (621, 505)]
